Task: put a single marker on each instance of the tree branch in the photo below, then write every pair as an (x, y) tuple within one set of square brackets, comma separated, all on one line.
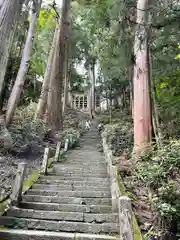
[(158, 26), (54, 7)]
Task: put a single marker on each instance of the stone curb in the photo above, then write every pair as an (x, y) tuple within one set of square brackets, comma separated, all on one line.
[(129, 228)]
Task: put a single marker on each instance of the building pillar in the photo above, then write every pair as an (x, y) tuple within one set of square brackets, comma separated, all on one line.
[(83, 103), (79, 101)]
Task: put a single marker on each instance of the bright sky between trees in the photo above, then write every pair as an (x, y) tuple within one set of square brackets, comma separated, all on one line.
[(59, 2)]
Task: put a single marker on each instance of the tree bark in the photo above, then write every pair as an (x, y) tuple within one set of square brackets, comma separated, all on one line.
[(70, 96), (90, 93), (142, 112), (16, 49), (92, 89), (41, 107), (54, 109), (19, 83), (9, 14), (131, 105), (66, 75)]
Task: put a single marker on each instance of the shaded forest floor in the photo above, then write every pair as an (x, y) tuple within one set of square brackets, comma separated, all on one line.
[(29, 140)]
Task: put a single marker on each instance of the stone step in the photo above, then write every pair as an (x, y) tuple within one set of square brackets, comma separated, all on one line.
[(24, 223), (89, 194), (58, 172), (97, 180), (62, 216), (18, 234), (68, 200), (67, 207), (79, 172), (77, 175), (70, 187), (71, 182), (77, 161), (82, 166), (80, 157), (81, 169)]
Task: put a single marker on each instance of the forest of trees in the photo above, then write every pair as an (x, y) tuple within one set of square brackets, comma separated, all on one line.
[(132, 48)]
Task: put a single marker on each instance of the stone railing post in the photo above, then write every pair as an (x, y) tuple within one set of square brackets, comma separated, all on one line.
[(16, 195), (71, 141), (57, 154), (45, 161), (125, 218), (114, 188), (66, 145)]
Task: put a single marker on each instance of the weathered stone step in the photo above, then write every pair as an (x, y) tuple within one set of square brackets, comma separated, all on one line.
[(93, 156), (83, 163), (71, 182), (67, 207), (89, 194), (79, 158), (80, 170), (62, 216), (76, 178), (24, 223), (68, 200), (70, 187), (82, 166), (77, 174), (18, 234)]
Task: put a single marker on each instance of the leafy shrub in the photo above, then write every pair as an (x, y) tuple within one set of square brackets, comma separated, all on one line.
[(120, 137), (159, 170), (27, 132)]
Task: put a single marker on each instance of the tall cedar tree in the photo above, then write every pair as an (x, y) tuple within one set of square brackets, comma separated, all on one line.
[(21, 76), (54, 107), (9, 15), (142, 110)]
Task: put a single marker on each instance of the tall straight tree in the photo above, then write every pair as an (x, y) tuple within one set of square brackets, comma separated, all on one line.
[(93, 86), (90, 92), (91, 73), (54, 108), (9, 14), (142, 109), (21, 76), (66, 73), (42, 103)]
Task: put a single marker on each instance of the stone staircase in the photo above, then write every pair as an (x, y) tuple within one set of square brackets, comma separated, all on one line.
[(72, 202)]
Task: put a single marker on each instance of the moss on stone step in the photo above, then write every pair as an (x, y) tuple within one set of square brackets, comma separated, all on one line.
[(31, 180), (136, 230), (5, 203), (4, 206), (4, 228)]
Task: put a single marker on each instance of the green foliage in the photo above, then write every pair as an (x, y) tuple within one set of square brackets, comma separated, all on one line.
[(159, 170), (119, 134), (168, 92), (103, 42), (42, 43), (43, 39), (27, 133)]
